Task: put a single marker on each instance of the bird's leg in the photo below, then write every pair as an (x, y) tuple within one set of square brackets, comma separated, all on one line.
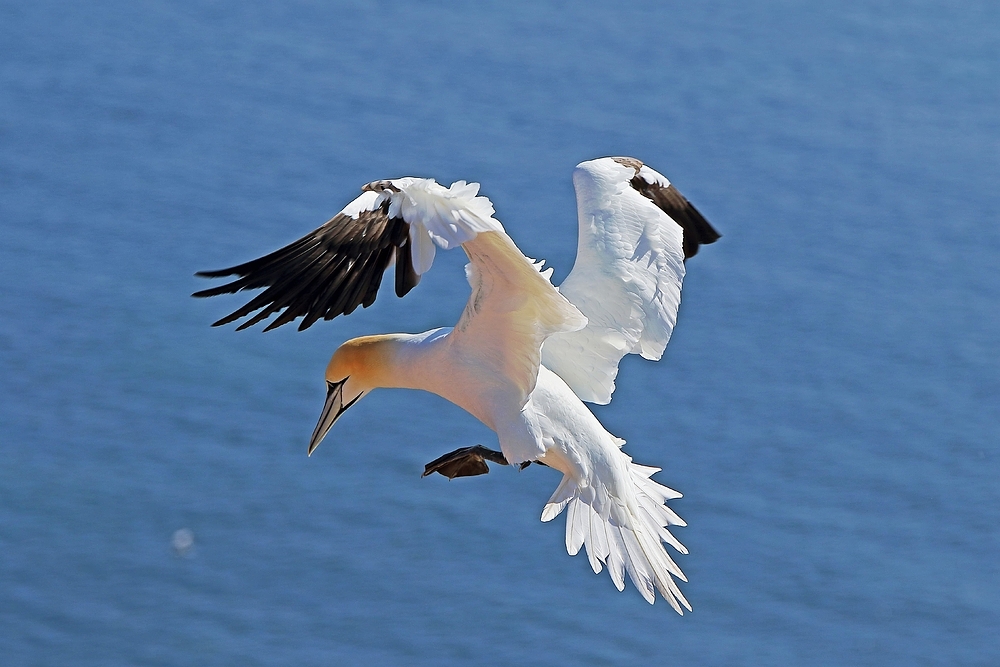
[(464, 462), (468, 461)]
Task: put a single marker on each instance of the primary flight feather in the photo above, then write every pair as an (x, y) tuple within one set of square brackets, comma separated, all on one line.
[(524, 355)]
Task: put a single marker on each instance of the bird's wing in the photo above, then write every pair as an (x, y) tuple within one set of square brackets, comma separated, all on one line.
[(339, 266), (513, 308), (636, 230)]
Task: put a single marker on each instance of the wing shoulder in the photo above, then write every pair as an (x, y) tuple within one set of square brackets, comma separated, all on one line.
[(512, 309)]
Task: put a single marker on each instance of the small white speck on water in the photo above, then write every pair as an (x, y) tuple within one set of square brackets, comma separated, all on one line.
[(182, 542)]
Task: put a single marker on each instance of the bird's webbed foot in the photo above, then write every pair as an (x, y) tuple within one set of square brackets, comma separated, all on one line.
[(464, 462), (467, 462)]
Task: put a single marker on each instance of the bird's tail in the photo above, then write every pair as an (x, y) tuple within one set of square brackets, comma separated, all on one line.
[(621, 516)]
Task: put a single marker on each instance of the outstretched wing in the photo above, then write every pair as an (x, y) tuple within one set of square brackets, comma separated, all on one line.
[(636, 231), (513, 308), (339, 266)]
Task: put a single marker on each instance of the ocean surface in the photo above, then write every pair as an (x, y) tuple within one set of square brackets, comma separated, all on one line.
[(828, 404)]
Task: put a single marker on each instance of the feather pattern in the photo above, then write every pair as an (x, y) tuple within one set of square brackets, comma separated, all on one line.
[(655, 187), (513, 308), (339, 266), (628, 272), (613, 507)]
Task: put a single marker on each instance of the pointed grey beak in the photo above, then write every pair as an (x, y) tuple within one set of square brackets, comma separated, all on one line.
[(332, 409)]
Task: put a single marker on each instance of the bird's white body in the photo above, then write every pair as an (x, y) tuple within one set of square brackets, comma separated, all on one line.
[(524, 355), (614, 508)]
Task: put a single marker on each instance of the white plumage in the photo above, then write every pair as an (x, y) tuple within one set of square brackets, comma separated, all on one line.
[(524, 355), (626, 279)]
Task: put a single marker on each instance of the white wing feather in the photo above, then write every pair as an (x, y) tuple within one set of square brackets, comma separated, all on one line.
[(513, 308), (626, 280), (438, 215)]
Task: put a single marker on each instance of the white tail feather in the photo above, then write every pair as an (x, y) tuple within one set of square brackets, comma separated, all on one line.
[(558, 501), (624, 531)]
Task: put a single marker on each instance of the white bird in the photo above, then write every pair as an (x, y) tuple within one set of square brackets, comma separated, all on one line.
[(524, 354)]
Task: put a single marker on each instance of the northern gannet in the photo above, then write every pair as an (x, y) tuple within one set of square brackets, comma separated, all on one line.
[(524, 354)]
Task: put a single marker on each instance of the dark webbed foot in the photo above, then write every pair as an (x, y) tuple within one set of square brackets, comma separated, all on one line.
[(464, 462), (467, 462)]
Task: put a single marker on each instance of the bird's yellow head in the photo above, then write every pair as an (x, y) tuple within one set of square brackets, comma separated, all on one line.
[(357, 367)]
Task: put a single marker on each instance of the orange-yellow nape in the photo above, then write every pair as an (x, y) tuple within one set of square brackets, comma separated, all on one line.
[(365, 361)]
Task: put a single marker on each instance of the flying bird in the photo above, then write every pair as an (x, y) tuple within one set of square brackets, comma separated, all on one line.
[(524, 355)]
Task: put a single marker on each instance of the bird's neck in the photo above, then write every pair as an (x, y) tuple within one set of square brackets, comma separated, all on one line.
[(425, 361), (404, 361)]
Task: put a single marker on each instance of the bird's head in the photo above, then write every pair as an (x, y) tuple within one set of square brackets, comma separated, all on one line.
[(357, 367)]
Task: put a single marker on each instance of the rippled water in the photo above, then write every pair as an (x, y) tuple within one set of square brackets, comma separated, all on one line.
[(828, 405)]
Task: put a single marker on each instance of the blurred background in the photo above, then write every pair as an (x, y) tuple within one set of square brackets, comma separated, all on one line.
[(828, 404)]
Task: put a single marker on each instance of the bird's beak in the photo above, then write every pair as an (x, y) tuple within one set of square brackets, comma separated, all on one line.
[(332, 409)]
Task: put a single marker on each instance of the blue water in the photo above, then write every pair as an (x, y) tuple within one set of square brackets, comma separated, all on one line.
[(828, 404)]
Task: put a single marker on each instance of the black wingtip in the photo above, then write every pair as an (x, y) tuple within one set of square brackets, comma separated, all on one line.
[(212, 291), (697, 230), (220, 273), (327, 273)]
